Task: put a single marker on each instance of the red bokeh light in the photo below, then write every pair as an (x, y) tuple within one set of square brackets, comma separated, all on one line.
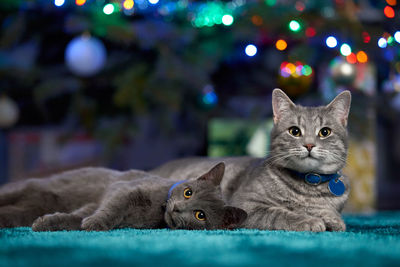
[(389, 12), (366, 37), (352, 58), (300, 6), (310, 32)]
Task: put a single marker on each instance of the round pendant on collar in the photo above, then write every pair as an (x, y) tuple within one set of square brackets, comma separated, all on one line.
[(336, 187), (313, 178)]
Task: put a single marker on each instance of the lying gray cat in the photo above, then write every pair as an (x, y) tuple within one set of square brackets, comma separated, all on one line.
[(102, 199), (298, 186)]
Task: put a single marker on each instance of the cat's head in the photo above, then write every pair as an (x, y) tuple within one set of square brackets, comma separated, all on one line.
[(309, 139), (198, 204)]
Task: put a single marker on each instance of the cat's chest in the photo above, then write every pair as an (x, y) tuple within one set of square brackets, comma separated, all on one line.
[(148, 215), (296, 193), (309, 196)]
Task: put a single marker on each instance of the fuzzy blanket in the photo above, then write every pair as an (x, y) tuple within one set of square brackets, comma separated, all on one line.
[(369, 241)]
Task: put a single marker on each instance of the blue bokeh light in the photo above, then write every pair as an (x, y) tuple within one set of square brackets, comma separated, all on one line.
[(331, 42), (250, 50), (210, 98), (59, 2)]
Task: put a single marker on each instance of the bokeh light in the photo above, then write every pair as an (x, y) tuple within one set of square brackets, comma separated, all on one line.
[(59, 2), (362, 57), (153, 2), (391, 2), (310, 32), (281, 45), (128, 4), (390, 40), (300, 6), (211, 14), (352, 58), (307, 70), (346, 69), (389, 12), (108, 9), (270, 2), (251, 50), (295, 70), (257, 20), (80, 2), (210, 98), (294, 25), (345, 50), (366, 37), (397, 36), (331, 42), (291, 67), (227, 20), (382, 43)]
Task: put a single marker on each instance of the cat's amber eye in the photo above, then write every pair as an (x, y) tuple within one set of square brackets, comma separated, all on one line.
[(295, 131), (200, 215), (187, 193), (324, 132)]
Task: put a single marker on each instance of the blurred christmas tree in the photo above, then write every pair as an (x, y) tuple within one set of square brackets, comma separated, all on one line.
[(105, 65)]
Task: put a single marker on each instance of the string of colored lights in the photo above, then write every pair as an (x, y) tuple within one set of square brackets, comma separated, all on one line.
[(210, 13)]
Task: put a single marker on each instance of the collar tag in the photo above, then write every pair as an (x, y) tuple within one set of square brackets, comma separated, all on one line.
[(336, 187)]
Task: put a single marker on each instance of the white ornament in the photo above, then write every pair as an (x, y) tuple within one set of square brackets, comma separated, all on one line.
[(8, 112), (85, 55)]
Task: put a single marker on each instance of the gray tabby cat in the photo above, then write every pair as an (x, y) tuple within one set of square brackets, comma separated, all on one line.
[(102, 199), (298, 187)]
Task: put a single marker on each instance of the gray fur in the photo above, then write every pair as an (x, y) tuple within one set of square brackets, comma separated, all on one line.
[(266, 188), (102, 199)]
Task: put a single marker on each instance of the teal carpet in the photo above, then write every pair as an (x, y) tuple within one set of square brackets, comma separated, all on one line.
[(369, 241)]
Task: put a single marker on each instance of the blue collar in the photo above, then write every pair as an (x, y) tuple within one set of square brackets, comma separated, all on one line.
[(335, 186), (172, 188), (315, 178)]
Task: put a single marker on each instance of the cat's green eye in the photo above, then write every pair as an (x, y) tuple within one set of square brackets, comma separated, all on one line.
[(324, 132), (295, 131), (200, 215), (187, 193)]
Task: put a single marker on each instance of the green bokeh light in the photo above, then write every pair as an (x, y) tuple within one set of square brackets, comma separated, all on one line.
[(213, 13), (306, 70), (108, 9), (294, 25), (270, 2), (227, 19)]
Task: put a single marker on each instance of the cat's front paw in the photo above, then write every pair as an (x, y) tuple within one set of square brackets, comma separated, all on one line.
[(310, 224), (94, 224), (334, 224), (56, 222), (39, 225)]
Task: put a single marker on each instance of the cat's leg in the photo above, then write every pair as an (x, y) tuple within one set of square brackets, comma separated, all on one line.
[(11, 193), (16, 216), (280, 218), (63, 221), (109, 213), (332, 219), (115, 205), (22, 203)]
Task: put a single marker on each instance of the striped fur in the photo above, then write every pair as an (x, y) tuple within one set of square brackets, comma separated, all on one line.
[(266, 189)]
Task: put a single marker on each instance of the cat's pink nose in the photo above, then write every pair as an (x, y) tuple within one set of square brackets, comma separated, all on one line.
[(309, 147)]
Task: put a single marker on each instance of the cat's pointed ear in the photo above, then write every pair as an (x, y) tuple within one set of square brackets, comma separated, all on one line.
[(214, 175), (281, 104), (233, 217), (340, 107)]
